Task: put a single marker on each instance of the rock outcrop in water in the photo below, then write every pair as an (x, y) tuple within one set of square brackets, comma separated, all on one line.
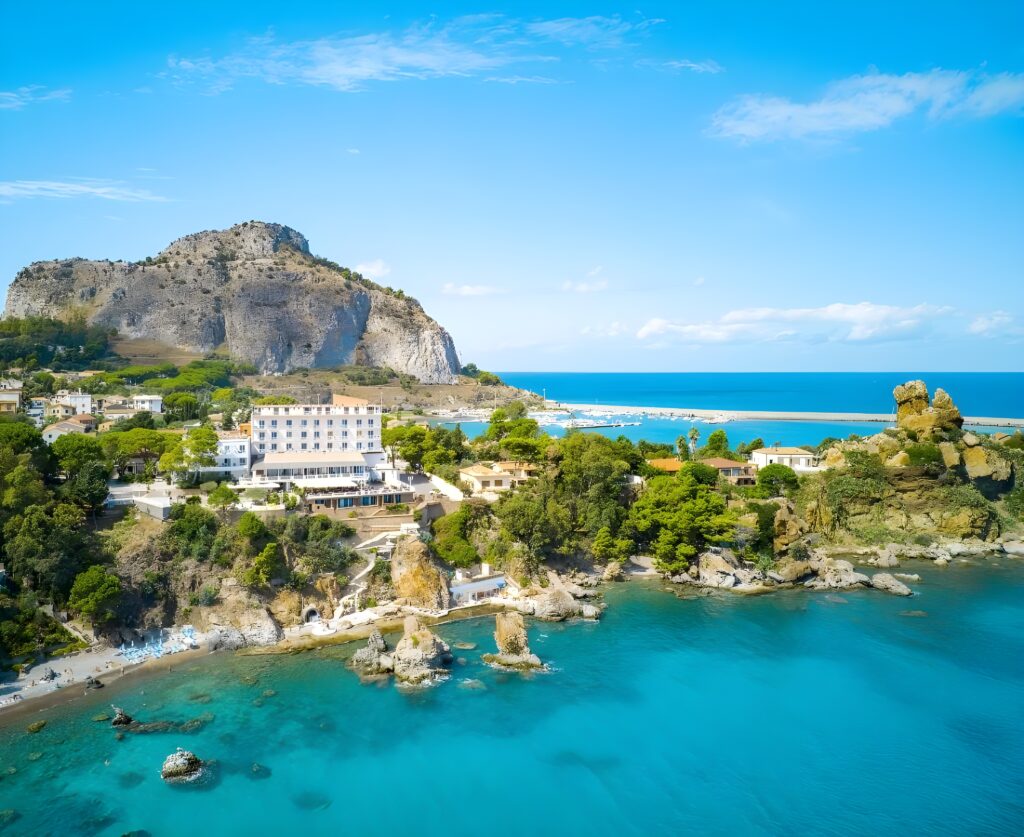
[(513, 644), (420, 655), (253, 290), (181, 766)]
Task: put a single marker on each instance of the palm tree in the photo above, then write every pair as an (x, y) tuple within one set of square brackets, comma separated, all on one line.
[(694, 435)]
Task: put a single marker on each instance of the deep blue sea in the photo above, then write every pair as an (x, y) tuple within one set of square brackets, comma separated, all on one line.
[(991, 394), (796, 713)]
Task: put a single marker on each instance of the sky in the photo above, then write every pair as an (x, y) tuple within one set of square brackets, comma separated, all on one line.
[(578, 187)]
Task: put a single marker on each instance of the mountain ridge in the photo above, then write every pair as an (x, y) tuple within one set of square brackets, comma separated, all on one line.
[(254, 290)]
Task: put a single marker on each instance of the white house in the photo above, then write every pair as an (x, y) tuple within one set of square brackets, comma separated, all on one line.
[(149, 403), (484, 478), (346, 424), (234, 455), (79, 402), (61, 428), (798, 459), (468, 587)]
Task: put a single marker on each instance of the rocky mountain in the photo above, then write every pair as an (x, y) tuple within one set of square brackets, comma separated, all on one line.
[(254, 291)]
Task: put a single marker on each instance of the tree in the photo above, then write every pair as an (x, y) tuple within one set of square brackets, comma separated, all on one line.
[(693, 435), (699, 473), (96, 594), (75, 450), (265, 567), (181, 406), (197, 450), (88, 487), (777, 479), (222, 498), (142, 420), (264, 400), (683, 448)]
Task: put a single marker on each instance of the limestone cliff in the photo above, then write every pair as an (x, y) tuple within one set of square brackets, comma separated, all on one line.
[(416, 576), (254, 291)]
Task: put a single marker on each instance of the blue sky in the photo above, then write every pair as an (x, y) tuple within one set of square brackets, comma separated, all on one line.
[(697, 186)]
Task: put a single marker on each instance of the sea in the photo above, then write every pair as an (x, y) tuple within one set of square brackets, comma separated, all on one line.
[(986, 394), (794, 713)]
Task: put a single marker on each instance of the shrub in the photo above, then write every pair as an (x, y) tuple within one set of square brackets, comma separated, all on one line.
[(1015, 502), (924, 453), (777, 479)]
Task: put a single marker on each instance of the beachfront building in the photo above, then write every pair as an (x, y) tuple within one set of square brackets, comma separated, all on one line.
[(234, 456), (799, 459), (346, 424), (468, 586), (148, 403), (734, 473)]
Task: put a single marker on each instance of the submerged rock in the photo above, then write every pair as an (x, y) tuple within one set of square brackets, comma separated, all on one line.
[(181, 766), (121, 718), (513, 644), (259, 771), (35, 726)]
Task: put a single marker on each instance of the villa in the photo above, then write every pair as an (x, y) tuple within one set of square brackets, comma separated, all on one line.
[(346, 424), (234, 455), (799, 459), (148, 403), (735, 473), (10, 401), (482, 478), (61, 428)]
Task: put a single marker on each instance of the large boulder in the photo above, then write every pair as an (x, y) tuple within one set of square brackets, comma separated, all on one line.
[(181, 766), (238, 620), (416, 576), (372, 659), (890, 584), (911, 399), (788, 527), (513, 643), (991, 473), (835, 574), (915, 415), (554, 605), (420, 655)]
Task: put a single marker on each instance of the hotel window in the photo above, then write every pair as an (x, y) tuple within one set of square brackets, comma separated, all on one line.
[(287, 422), (303, 445), (273, 422), (273, 447)]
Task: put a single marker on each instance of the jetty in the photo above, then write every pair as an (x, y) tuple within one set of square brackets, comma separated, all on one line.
[(760, 415)]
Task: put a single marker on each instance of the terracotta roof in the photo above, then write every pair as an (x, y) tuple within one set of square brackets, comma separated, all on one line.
[(481, 471)]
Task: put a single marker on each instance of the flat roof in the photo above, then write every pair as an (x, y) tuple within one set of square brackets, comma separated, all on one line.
[(786, 451)]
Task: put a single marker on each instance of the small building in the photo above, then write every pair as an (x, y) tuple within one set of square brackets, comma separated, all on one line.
[(520, 470), (799, 459), (58, 409), (119, 413), (735, 473), (156, 507), (79, 402), (87, 420), (483, 478), (234, 455), (148, 403), (61, 428), (10, 401), (468, 587)]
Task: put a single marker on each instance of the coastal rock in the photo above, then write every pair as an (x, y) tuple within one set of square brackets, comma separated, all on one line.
[(898, 460), (420, 655), (181, 766), (991, 473), (1014, 548), (716, 568), (238, 620), (121, 718), (787, 527), (911, 399), (788, 570), (372, 659), (914, 415), (555, 605), (253, 291), (890, 584), (971, 440), (416, 577), (950, 454), (513, 644), (613, 572), (836, 574)]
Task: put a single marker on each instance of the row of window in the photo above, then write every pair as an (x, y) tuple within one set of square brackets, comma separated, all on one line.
[(304, 434), (316, 446), (316, 423), (326, 410)]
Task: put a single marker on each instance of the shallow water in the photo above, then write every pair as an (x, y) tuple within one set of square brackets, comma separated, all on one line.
[(795, 713)]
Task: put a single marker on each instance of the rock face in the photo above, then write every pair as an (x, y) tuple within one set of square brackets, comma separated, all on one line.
[(990, 472), (253, 290), (787, 527), (513, 643), (416, 577), (420, 655), (915, 415), (181, 766), (372, 659), (238, 620)]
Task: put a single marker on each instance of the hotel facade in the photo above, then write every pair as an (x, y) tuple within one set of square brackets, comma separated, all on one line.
[(346, 424)]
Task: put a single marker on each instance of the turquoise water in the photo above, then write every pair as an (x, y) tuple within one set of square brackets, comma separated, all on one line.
[(999, 394), (795, 713)]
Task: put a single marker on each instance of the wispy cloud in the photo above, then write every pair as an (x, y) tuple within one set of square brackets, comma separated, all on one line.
[(585, 287), (111, 190), (700, 280), (995, 324), (839, 322), (679, 65), (612, 329), (33, 93), (451, 289), (352, 151), (870, 102), (375, 269), (464, 47)]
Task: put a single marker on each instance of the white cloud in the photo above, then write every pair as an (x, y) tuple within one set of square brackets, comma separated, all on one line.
[(707, 66), (613, 329), (451, 289), (464, 47), (376, 269), (839, 322), (585, 287), (700, 280), (353, 151), (993, 324), (17, 99), (870, 102), (111, 190)]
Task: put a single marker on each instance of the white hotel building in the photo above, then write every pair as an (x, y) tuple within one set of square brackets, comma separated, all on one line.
[(346, 424)]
